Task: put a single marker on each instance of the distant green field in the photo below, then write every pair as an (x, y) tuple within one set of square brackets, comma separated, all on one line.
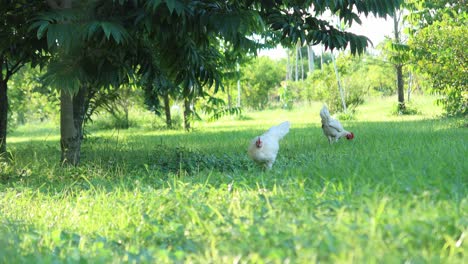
[(397, 193)]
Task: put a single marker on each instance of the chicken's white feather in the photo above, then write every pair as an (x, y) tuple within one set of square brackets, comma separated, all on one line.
[(278, 131), (332, 128), (263, 149)]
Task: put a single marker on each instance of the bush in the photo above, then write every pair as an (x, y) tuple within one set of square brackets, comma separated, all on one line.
[(347, 116), (406, 110), (323, 86), (440, 53), (259, 78)]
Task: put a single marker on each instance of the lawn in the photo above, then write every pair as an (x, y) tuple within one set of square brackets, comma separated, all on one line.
[(397, 193)]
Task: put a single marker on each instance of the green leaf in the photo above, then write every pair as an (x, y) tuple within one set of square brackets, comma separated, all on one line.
[(52, 35), (107, 28), (175, 5), (118, 33), (41, 30), (91, 29), (153, 4)]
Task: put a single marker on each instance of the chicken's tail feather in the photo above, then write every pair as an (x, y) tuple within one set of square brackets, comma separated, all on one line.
[(280, 130), (325, 114)]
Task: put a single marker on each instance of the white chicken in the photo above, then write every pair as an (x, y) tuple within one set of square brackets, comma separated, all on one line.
[(332, 128), (263, 149)]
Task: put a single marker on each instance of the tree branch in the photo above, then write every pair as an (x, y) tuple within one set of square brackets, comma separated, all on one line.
[(5, 61), (18, 65)]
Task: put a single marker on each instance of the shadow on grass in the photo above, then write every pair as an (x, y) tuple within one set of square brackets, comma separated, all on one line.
[(393, 153)]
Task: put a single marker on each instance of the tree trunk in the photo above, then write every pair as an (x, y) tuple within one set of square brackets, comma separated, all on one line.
[(297, 62), (79, 109), (399, 66), (400, 88), (238, 86), (340, 87), (127, 120), (167, 110), (310, 53), (3, 115), (71, 119), (70, 136), (229, 99), (410, 86), (21, 118), (187, 114), (288, 66), (302, 64), (321, 60)]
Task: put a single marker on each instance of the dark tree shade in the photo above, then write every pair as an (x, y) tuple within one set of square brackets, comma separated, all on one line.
[(17, 47)]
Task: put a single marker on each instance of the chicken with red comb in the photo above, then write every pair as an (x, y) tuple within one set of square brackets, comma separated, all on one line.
[(264, 149), (332, 128)]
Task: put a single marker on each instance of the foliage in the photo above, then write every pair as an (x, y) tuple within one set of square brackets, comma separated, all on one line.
[(17, 48), (173, 197), (87, 43), (189, 55), (408, 110), (378, 80), (127, 97), (297, 91), (286, 96), (260, 78), (440, 52), (425, 13), (438, 41), (395, 53), (31, 100), (17, 45), (302, 15), (155, 85), (322, 85), (96, 45)]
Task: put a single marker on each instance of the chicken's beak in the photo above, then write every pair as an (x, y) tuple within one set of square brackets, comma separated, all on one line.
[(258, 143)]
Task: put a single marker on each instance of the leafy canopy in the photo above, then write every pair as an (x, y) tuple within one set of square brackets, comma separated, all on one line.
[(438, 44)]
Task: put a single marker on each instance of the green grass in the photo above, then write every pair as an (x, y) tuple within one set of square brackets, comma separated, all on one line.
[(398, 193)]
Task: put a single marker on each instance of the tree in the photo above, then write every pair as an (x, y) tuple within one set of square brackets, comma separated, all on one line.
[(157, 87), (188, 34), (438, 44), (232, 74), (17, 48), (323, 85), (339, 84), (396, 53), (156, 84), (29, 98), (398, 61), (261, 77), (440, 50), (87, 57), (310, 57)]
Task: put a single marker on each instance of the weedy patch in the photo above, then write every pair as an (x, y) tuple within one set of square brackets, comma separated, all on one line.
[(408, 109), (187, 160)]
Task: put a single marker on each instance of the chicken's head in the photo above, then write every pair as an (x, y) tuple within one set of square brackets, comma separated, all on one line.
[(350, 136), (259, 143)]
